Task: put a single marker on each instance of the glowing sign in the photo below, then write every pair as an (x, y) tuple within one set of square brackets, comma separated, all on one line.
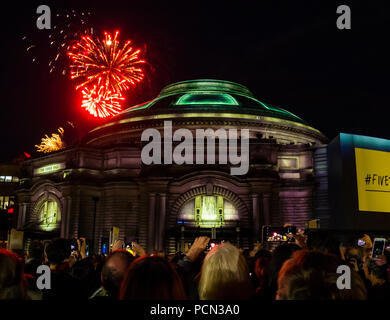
[(373, 180), (50, 168)]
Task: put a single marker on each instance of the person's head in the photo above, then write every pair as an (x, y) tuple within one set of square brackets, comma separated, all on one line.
[(312, 275), (224, 275), (36, 250), (281, 253), (354, 255), (324, 241), (374, 273), (263, 259), (58, 251), (151, 278), (114, 270), (12, 280), (84, 272)]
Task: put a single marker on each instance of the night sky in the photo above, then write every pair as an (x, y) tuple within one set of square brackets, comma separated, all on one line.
[(288, 54)]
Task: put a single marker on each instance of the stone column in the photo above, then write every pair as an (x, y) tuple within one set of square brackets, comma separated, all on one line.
[(255, 215), (152, 219), (267, 208), (68, 212), (161, 226), (63, 216), (21, 216)]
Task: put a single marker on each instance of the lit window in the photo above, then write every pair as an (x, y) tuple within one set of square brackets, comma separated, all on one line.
[(15, 179), (49, 215), (2, 178), (8, 178), (288, 162), (209, 208), (208, 211), (6, 201)]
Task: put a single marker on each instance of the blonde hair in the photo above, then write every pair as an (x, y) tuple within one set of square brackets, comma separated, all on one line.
[(224, 275)]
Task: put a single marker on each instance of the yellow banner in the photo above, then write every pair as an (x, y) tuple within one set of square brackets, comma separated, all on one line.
[(373, 180)]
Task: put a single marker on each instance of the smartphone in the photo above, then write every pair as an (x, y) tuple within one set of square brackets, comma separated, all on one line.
[(73, 244), (278, 234), (104, 248), (378, 247), (211, 245)]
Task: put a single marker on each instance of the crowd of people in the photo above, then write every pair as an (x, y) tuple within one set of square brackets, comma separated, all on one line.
[(305, 269)]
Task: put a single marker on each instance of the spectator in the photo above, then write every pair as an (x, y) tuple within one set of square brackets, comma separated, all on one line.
[(190, 264), (324, 241), (112, 274), (311, 275), (376, 273), (262, 273), (225, 275), (281, 253), (84, 272), (63, 285), (151, 278), (12, 280), (35, 257)]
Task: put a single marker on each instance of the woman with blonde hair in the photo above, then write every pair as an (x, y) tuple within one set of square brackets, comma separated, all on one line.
[(225, 275)]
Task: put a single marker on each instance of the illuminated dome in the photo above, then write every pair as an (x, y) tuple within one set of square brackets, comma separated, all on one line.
[(206, 103)]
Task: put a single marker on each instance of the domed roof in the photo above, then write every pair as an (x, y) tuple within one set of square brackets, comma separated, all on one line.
[(207, 95), (204, 102)]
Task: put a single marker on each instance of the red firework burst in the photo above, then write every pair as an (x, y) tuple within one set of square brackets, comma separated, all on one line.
[(107, 62), (100, 103)]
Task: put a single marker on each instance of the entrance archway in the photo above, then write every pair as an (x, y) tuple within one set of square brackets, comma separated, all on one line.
[(208, 210)]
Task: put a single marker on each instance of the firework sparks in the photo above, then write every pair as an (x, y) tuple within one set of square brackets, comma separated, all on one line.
[(67, 29), (100, 103), (53, 143), (107, 62)]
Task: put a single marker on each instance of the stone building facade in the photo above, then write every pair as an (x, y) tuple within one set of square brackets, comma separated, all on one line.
[(101, 182)]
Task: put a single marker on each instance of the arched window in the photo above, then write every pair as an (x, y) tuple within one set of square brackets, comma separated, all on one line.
[(208, 212), (49, 215)]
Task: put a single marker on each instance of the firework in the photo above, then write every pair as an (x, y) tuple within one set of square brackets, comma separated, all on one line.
[(53, 143), (105, 61), (101, 103)]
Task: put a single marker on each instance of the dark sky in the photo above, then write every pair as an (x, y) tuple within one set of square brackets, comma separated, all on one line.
[(288, 54)]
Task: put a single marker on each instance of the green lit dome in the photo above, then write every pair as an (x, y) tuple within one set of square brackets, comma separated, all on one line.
[(205, 102), (208, 95)]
